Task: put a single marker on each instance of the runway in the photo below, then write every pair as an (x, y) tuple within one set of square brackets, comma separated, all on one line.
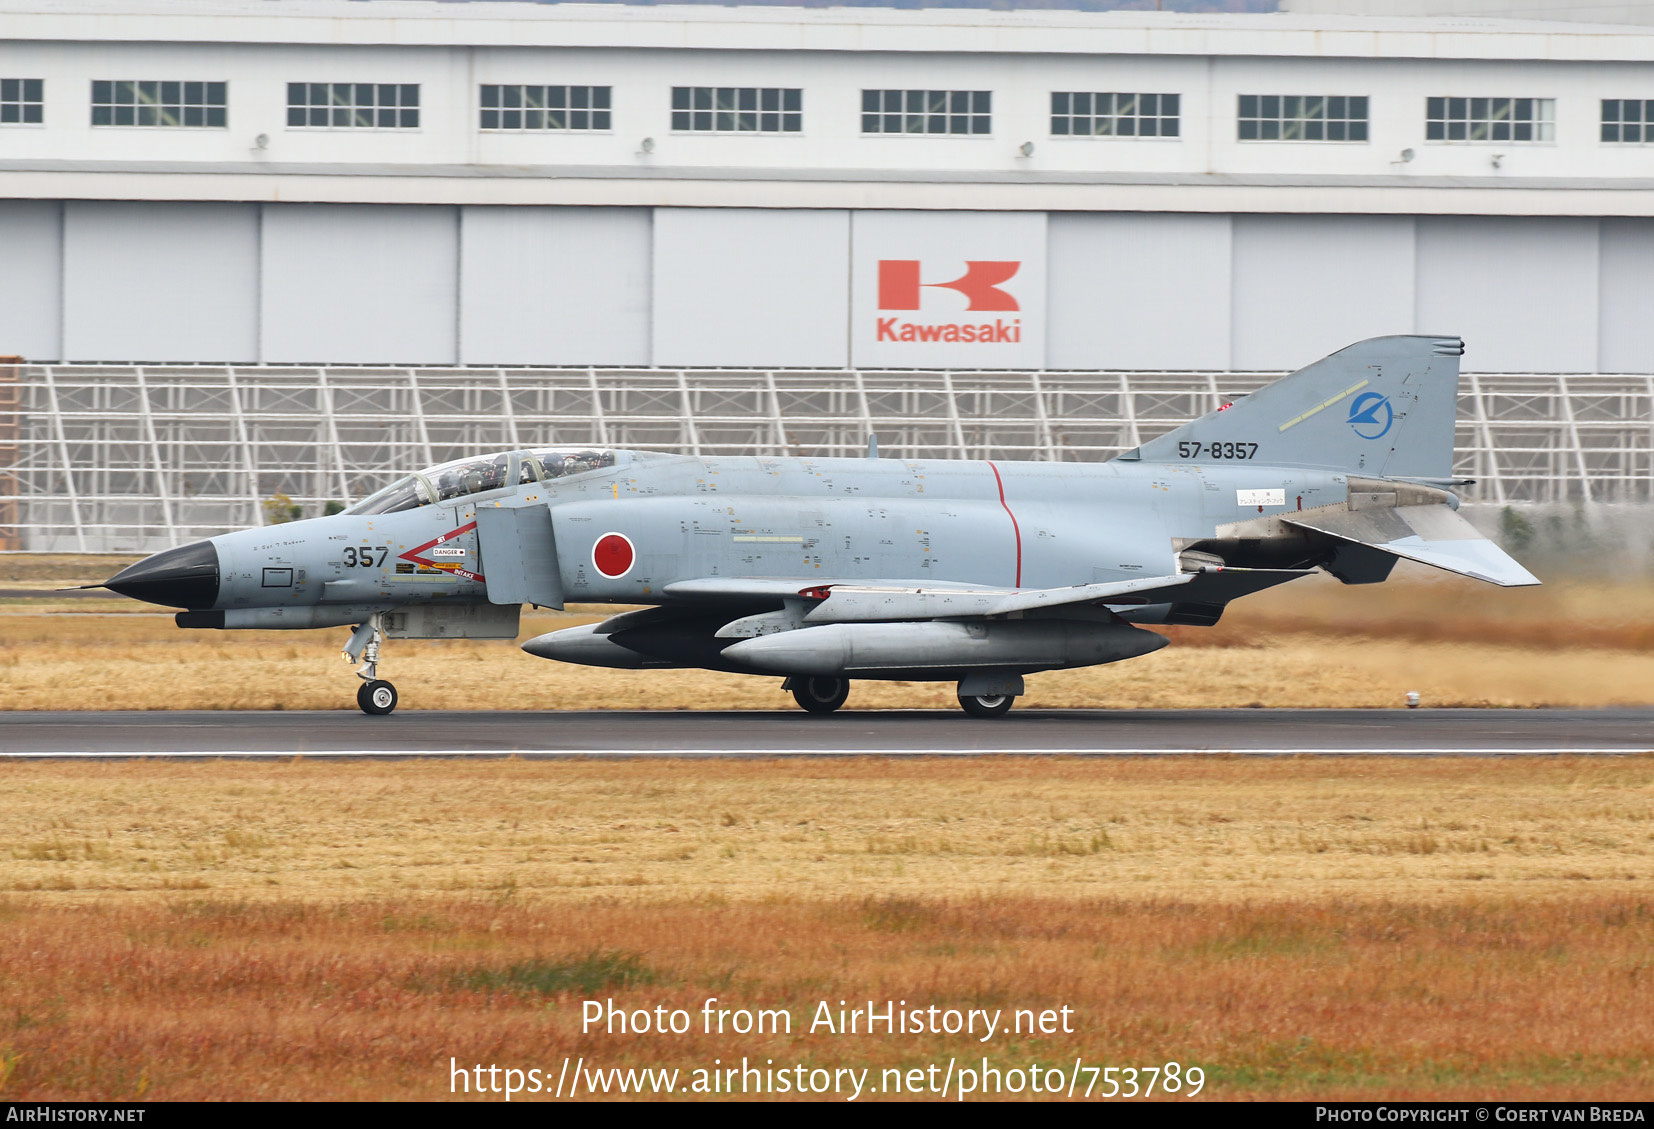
[(850, 733)]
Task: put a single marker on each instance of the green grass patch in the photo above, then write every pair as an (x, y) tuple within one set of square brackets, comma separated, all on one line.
[(592, 972), (897, 915)]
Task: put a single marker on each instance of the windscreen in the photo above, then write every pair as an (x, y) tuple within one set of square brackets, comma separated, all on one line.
[(403, 494)]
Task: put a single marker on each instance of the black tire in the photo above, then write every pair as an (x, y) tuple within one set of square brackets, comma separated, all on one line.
[(820, 695), (991, 705), (377, 697)]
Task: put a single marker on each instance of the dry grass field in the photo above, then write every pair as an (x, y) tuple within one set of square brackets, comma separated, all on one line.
[(1296, 927), (1312, 643)]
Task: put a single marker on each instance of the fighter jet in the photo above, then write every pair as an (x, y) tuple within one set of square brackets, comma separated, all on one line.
[(826, 570)]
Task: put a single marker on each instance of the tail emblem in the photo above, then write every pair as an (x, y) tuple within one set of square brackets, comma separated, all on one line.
[(1371, 415)]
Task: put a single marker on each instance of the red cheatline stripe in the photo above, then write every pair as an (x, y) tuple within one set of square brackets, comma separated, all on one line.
[(413, 554), (1015, 528)]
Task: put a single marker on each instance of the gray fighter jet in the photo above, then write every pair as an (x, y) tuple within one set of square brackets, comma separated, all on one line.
[(827, 570)]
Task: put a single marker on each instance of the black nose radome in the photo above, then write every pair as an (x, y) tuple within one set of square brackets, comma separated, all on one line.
[(185, 577)]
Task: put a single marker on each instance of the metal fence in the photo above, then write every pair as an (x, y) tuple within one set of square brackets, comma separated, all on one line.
[(135, 458)]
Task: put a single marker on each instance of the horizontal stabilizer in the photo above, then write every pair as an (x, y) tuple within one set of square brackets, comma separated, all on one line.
[(1430, 534)]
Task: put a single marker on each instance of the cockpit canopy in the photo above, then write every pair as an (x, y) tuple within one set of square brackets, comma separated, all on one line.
[(448, 481)]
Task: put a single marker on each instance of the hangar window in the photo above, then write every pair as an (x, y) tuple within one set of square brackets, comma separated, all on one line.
[(1301, 117), (1114, 115), (943, 112), (185, 104), (22, 101), (1490, 120), (737, 109), (352, 105), (524, 108), (1625, 121)]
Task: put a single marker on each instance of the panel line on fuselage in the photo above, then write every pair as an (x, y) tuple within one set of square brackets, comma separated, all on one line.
[(1015, 528)]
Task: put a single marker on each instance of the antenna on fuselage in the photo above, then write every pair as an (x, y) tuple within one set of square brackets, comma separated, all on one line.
[(872, 445)]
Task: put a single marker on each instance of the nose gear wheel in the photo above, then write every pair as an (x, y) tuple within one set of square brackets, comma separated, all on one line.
[(377, 697)]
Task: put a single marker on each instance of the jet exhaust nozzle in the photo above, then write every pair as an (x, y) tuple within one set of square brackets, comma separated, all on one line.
[(185, 577)]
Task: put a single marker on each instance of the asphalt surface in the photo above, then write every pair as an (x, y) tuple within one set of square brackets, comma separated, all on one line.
[(1422, 732)]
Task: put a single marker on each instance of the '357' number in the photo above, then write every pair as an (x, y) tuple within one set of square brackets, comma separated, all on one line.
[(367, 556)]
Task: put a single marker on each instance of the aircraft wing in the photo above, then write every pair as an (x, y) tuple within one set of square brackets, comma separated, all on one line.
[(1430, 534), (851, 603), (886, 601), (747, 589)]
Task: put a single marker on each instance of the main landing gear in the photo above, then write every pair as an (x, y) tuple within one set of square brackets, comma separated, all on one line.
[(825, 695), (375, 695), (989, 693), (986, 705), (818, 695)]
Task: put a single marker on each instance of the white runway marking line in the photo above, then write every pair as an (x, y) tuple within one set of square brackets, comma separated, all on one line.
[(1457, 750)]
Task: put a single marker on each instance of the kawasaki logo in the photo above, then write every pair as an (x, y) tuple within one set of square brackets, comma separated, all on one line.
[(899, 285), (998, 330)]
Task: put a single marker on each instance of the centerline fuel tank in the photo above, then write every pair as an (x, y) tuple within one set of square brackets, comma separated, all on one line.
[(864, 649)]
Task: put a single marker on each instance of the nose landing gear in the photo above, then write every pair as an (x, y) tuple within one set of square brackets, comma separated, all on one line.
[(375, 695)]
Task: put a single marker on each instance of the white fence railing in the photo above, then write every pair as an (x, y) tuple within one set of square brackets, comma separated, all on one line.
[(140, 457)]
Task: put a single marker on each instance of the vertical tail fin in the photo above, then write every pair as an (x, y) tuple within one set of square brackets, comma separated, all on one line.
[(1384, 407)]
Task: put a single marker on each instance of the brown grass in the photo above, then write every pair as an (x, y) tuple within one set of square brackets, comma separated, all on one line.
[(208, 1000), (1298, 928), (55, 570), (1216, 829), (1315, 643), (123, 663)]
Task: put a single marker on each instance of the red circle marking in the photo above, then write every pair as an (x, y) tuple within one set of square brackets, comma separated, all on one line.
[(613, 555)]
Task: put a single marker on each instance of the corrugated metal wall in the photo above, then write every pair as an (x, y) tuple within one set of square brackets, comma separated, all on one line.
[(31, 278), (155, 282), (740, 286), (353, 284), (572, 283), (162, 280)]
